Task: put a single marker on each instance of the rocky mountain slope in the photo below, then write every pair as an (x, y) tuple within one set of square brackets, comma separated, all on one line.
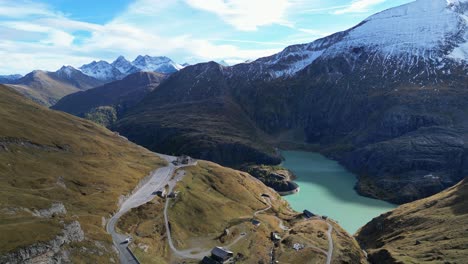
[(121, 67), (432, 230), (197, 117), (387, 98), (48, 87), (116, 96), (60, 177)]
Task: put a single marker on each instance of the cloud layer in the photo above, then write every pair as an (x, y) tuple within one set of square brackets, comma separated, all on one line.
[(38, 36)]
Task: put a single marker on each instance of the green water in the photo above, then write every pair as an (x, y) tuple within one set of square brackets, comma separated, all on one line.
[(326, 188)]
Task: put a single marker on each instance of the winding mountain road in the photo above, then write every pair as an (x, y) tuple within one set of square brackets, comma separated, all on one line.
[(147, 192)]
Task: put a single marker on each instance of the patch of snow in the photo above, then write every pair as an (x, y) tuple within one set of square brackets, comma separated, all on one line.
[(123, 65), (101, 70), (66, 71), (421, 31), (156, 64)]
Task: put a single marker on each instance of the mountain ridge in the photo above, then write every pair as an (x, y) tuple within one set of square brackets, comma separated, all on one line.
[(48, 87), (350, 106), (121, 67)]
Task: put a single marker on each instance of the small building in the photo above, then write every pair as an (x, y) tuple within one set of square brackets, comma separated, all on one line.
[(255, 222), (308, 214), (275, 236), (182, 160), (324, 217), (208, 260), (221, 255)]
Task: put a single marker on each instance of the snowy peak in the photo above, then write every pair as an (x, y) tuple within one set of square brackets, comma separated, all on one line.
[(427, 31), (124, 66), (66, 71), (156, 64), (121, 67), (422, 28), (101, 70)]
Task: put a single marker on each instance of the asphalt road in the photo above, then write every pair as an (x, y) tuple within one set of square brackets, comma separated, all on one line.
[(144, 194)]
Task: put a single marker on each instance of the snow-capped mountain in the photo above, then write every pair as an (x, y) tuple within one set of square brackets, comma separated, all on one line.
[(124, 66), (431, 31), (66, 72), (224, 63), (121, 67), (102, 70), (156, 64)]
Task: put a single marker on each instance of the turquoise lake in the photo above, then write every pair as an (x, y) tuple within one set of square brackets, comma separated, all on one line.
[(327, 188)]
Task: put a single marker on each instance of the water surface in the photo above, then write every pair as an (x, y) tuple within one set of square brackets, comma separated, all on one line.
[(327, 188)]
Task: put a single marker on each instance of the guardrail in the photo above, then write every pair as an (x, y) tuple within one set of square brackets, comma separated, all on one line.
[(133, 255)]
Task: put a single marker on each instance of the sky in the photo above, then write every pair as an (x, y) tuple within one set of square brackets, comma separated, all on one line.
[(50, 33)]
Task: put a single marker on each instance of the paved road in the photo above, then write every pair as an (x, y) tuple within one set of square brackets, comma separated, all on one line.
[(330, 243), (144, 194)]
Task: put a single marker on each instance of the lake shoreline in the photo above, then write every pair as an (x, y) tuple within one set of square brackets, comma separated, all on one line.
[(327, 188)]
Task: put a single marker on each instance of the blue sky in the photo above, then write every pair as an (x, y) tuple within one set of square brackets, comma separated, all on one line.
[(50, 33)]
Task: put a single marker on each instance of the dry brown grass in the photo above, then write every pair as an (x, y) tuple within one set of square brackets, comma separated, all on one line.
[(213, 198), (42, 146), (431, 230)]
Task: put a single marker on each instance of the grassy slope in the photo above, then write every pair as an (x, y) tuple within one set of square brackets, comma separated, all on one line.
[(96, 165), (431, 230), (213, 198)]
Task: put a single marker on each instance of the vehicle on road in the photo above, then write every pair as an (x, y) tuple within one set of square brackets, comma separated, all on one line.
[(127, 240)]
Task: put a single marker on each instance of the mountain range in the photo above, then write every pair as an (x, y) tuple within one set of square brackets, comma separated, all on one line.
[(121, 67), (49, 87), (387, 98)]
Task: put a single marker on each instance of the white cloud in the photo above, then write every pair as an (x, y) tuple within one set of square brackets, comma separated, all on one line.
[(246, 15), (358, 6), (23, 8), (131, 33)]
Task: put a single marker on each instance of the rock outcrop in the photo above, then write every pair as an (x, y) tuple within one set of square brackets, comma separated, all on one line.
[(51, 252)]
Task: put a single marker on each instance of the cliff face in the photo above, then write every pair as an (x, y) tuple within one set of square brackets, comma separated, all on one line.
[(431, 230)]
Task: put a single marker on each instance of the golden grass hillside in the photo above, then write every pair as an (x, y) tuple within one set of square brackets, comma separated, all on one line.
[(48, 157), (213, 199), (431, 230)]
